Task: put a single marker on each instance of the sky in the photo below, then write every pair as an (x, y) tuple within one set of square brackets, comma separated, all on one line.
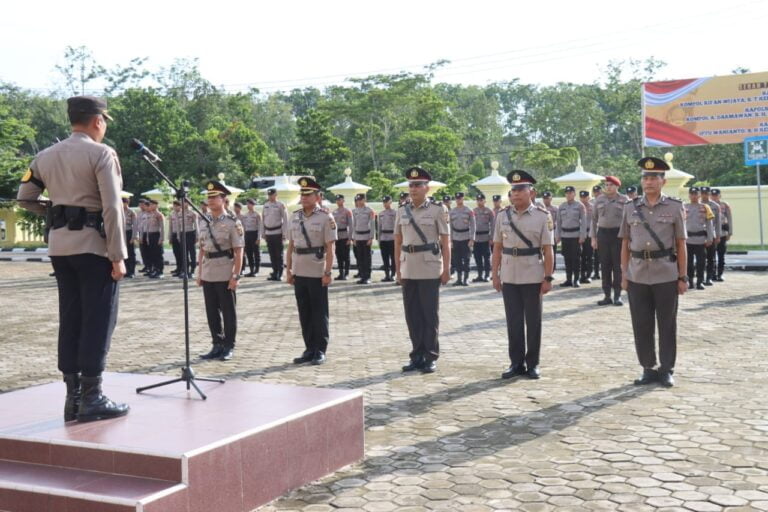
[(283, 45)]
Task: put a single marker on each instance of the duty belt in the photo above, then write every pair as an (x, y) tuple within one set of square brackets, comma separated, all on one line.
[(220, 254), (362, 232), (601, 228), (482, 232), (309, 250), (421, 248), (521, 251), (460, 230), (341, 229), (652, 255), (388, 232), (569, 230), (697, 233), (272, 229)]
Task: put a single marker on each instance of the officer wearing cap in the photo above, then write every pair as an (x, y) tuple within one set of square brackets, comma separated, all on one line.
[(87, 248), (363, 229), (447, 202), (404, 198), (238, 211), (700, 230), (496, 198), (342, 216), (422, 256), (141, 229), (552, 209), (654, 270), (571, 230), (190, 230), (386, 238), (631, 192), (220, 260), (252, 225), (155, 229), (130, 226), (522, 271), (597, 190), (463, 227), (174, 235), (309, 264), (726, 230), (275, 232), (585, 263), (712, 249), (606, 220), (483, 236)]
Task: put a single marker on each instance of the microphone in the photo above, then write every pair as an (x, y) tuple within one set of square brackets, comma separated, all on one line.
[(144, 150)]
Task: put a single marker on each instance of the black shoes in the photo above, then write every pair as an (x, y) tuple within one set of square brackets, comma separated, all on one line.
[(72, 402), (429, 367), (319, 358), (708, 282), (566, 284), (649, 376), (617, 300), (340, 277), (665, 378), (585, 280), (457, 282), (576, 283), (94, 405), (514, 371), (478, 279), (155, 275), (363, 281), (699, 286), (412, 366), (227, 353), (215, 353), (719, 279), (605, 302), (534, 373), (306, 357)]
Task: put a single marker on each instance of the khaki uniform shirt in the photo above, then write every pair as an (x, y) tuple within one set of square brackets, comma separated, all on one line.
[(141, 223), (668, 222), (552, 209), (79, 171), (321, 229), (463, 224), (726, 218), (483, 224), (717, 220), (363, 223), (228, 233), (130, 220), (343, 218), (608, 212), (433, 221), (190, 221), (537, 226), (251, 221), (174, 224), (571, 220), (588, 208), (387, 218), (275, 218), (698, 219), (156, 223), (496, 213)]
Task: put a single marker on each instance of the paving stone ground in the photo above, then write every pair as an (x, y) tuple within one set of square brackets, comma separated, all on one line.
[(581, 438)]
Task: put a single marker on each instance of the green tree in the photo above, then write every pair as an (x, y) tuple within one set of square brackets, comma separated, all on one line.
[(319, 151), (13, 135)]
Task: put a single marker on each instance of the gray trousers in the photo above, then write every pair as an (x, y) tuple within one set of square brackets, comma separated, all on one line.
[(649, 305)]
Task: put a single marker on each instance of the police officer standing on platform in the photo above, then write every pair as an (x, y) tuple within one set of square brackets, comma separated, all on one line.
[(342, 216), (571, 230), (252, 226), (606, 220), (87, 248), (712, 249), (309, 269), (422, 256), (463, 228), (522, 271), (364, 227), (726, 230), (387, 238), (483, 237), (700, 230), (130, 225), (220, 261), (654, 265), (275, 232), (586, 247)]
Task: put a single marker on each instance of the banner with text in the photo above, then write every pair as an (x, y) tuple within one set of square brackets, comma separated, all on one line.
[(715, 110)]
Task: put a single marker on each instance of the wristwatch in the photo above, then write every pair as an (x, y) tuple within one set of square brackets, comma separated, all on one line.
[(683, 279), (329, 274), (549, 279), (236, 277)]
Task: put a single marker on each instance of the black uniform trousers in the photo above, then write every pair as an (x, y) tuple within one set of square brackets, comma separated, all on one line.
[(571, 256), (421, 299), (711, 250), (176, 247), (363, 259), (609, 244), (275, 248), (220, 305), (252, 253), (155, 251), (461, 251), (388, 255), (586, 257), (146, 260), (342, 255), (88, 300), (482, 253), (312, 301), (696, 251), (722, 248), (191, 241), (130, 263), (651, 304), (523, 309), (596, 262)]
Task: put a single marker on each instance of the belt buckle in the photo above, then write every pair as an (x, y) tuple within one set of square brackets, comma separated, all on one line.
[(514, 251), (647, 254), (411, 249)]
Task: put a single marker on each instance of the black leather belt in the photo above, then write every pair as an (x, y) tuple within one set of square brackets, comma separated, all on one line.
[(421, 248), (341, 229), (569, 230), (309, 250), (362, 232), (252, 231), (526, 251), (388, 232), (219, 254), (609, 230), (652, 255), (725, 227), (272, 229), (697, 233), (482, 232), (460, 230)]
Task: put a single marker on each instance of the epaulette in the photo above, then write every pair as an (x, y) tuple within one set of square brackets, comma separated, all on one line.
[(231, 215), (676, 200), (541, 207)]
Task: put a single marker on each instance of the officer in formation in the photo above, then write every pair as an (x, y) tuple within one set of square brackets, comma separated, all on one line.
[(403, 199), (311, 238), (174, 236), (483, 236), (654, 261), (606, 220), (631, 192), (463, 227), (447, 202), (364, 227), (154, 234), (189, 233), (87, 248), (712, 249), (342, 216), (141, 227), (522, 271), (596, 191), (699, 226), (571, 231), (585, 262), (386, 237), (275, 232), (422, 256), (130, 226), (220, 260), (726, 231), (552, 209), (252, 226)]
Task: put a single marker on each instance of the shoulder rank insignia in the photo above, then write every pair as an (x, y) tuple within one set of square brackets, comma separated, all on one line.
[(27, 176)]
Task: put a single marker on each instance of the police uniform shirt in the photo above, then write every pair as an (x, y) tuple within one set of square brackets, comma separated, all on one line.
[(717, 222), (363, 223), (321, 229), (588, 218), (667, 220), (462, 223), (537, 226), (228, 232), (275, 218), (343, 218), (483, 224), (433, 221), (190, 221), (552, 209), (175, 222), (155, 223), (141, 222), (698, 223), (387, 225), (130, 220), (608, 211), (571, 220), (726, 218), (251, 221)]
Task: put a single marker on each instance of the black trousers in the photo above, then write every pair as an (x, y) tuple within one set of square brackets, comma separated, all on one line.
[(596, 262), (461, 251), (482, 253), (130, 263), (571, 255), (609, 245), (698, 252), (155, 251), (275, 248), (146, 260), (523, 309), (363, 259), (586, 257), (312, 302), (649, 305), (388, 255), (220, 310), (421, 299), (191, 241), (722, 248), (88, 300), (342, 255), (176, 247), (252, 253), (711, 250)]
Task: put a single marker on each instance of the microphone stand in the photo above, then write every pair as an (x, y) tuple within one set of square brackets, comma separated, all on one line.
[(187, 375)]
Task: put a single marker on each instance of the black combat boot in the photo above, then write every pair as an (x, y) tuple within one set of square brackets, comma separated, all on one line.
[(94, 405), (72, 402)]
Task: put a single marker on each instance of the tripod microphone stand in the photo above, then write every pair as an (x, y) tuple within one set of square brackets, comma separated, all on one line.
[(187, 375)]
